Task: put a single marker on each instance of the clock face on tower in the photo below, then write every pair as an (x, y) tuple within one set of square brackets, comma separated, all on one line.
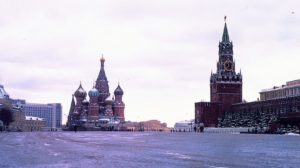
[(228, 65)]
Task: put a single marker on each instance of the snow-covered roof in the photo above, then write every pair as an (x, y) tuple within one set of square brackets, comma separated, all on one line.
[(186, 121), (184, 124), (280, 88), (34, 118), (289, 84)]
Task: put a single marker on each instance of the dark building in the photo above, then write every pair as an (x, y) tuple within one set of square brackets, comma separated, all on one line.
[(279, 113), (12, 115), (101, 106)]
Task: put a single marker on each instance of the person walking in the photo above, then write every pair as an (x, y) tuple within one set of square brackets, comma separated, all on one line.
[(75, 128)]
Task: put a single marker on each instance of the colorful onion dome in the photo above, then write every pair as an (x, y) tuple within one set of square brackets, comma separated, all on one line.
[(118, 90), (94, 92)]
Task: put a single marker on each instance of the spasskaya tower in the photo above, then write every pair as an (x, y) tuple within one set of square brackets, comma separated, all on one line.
[(226, 84)]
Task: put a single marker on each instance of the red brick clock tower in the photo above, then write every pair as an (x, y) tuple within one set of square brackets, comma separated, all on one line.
[(225, 87), (226, 84)]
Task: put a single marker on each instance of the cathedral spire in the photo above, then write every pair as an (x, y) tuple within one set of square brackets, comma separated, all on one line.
[(72, 106), (101, 75), (102, 83), (225, 46), (225, 37), (71, 111), (102, 60)]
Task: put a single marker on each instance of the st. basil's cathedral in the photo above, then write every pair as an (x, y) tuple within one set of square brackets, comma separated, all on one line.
[(101, 106)]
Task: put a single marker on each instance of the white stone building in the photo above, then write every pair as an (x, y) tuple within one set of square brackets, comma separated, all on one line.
[(291, 88)]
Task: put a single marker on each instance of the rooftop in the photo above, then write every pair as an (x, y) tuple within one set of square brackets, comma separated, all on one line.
[(289, 84)]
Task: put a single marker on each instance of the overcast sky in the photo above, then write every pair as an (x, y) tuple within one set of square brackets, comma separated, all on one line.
[(161, 51)]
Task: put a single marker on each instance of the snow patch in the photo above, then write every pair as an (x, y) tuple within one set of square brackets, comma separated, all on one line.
[(292, 134), (178, 155), (55, 154)]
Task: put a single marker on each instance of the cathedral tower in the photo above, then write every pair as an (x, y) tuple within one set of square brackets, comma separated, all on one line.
[(89, 114), (119, 106), (108, 107), (102, 83), (93, 106), (226, 84), (71, 113), (80, 95)]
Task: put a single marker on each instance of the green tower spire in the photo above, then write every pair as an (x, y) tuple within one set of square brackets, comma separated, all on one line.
[(225, 37)]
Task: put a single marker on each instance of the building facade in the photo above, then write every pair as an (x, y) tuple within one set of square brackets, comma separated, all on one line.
[(52, 113), (184, 126), (88, 113), (34, 124), (150, 125), (290, 89)]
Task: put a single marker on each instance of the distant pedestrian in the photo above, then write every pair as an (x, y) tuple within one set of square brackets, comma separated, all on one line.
[(75, 128)]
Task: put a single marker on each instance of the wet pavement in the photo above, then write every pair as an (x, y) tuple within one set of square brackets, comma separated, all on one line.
[(147, 149)]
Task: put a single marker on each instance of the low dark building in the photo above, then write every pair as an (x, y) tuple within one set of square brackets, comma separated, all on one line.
[(12, 116), (282, 114)]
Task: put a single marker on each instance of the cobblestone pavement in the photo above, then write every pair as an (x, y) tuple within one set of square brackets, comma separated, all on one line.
[(147, 149)]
